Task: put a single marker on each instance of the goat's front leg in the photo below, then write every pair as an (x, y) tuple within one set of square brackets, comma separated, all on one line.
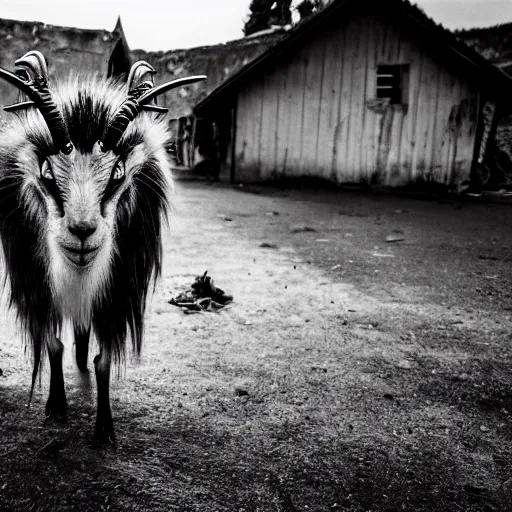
[(104, 432), (56, 406), (82, 346)]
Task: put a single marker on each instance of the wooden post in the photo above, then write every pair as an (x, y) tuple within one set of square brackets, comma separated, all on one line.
[(233, 140), (192, 142)]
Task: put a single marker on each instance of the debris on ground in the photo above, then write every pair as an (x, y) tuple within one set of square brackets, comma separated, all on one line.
[(202, 295)]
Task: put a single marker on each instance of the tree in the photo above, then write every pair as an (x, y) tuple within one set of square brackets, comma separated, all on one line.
[(265, 13), (307, 7)]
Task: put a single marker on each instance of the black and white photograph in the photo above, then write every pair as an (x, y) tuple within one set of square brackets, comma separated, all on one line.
[(256, 255)]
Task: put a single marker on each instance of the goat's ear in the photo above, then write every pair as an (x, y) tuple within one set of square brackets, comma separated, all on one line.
[(119, 63)]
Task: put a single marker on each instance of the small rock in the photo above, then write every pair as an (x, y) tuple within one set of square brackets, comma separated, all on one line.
[(55, 445), (388, 396), (394, 238), (241, 392), (248, 322), (336, 267), (483, 428), (405, 364), (474, 490), (294, 320), (266, 245), (302, 229)]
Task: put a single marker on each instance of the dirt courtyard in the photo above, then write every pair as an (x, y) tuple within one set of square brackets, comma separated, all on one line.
[(364, 365)]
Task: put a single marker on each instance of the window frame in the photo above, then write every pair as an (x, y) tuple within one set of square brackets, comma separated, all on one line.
[(393, 78)]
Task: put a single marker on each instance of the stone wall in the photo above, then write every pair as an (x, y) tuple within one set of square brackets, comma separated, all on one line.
[(66, 49), (218, 62)]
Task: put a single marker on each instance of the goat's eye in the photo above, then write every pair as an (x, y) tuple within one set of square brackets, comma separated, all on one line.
[(118, 172), (46, 171)]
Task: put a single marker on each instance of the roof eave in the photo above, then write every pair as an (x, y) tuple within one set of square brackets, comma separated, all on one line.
[(464, 52), (295, 34)]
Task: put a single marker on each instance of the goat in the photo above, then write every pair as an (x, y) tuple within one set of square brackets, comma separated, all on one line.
[(84, 182)]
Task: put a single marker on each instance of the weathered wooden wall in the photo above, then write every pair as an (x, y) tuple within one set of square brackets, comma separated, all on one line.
[(315, 112)]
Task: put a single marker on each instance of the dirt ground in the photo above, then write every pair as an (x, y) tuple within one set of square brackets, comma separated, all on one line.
[(350, 373)]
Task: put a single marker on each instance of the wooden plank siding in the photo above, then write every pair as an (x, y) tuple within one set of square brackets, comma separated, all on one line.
[(315, 113)]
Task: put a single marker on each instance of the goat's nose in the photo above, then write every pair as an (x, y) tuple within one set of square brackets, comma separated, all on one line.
[(82, 229)]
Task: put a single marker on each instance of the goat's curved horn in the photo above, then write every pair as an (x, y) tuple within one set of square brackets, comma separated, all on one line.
[(153, 93), (141, 91), (137, 73), (32, 80), (35, 62)]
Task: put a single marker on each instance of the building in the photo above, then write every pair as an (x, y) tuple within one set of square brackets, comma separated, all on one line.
[(217, 62), (66, 49), (362, 92)]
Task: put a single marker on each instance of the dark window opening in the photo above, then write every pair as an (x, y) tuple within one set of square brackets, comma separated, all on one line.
[(392, 82)]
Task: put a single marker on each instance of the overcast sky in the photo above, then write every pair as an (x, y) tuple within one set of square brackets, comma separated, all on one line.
[(172, 24)]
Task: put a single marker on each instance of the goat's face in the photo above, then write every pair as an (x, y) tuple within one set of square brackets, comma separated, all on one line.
[(92, 205), (80, 193)]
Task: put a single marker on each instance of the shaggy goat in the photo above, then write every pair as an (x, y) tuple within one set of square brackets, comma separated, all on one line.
[(84, 177)]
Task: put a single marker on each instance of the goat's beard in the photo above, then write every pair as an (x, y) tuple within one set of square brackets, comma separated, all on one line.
[(77, 289)]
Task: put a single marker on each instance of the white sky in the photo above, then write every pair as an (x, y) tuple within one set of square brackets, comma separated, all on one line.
[(172, 24)]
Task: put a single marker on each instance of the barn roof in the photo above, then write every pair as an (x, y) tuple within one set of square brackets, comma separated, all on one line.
[(218, 62), (412, 18)]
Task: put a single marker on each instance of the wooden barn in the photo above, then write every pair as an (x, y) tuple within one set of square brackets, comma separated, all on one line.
[(362, 92)]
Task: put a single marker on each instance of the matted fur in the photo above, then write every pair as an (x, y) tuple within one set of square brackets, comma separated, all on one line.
[(44, 289)]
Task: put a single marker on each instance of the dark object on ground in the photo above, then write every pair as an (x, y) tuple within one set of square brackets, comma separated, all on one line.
[(241, 392), (203, 295), (208, 168)]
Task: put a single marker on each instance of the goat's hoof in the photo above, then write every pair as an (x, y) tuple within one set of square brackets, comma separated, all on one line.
[(56, 411), (105, 435)]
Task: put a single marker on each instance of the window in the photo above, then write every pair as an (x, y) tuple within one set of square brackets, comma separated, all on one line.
[(392, 82)]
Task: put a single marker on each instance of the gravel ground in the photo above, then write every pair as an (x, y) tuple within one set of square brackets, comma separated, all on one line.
[(364, 365)]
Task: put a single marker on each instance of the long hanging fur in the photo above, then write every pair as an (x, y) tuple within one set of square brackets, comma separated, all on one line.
[(88, 105)]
